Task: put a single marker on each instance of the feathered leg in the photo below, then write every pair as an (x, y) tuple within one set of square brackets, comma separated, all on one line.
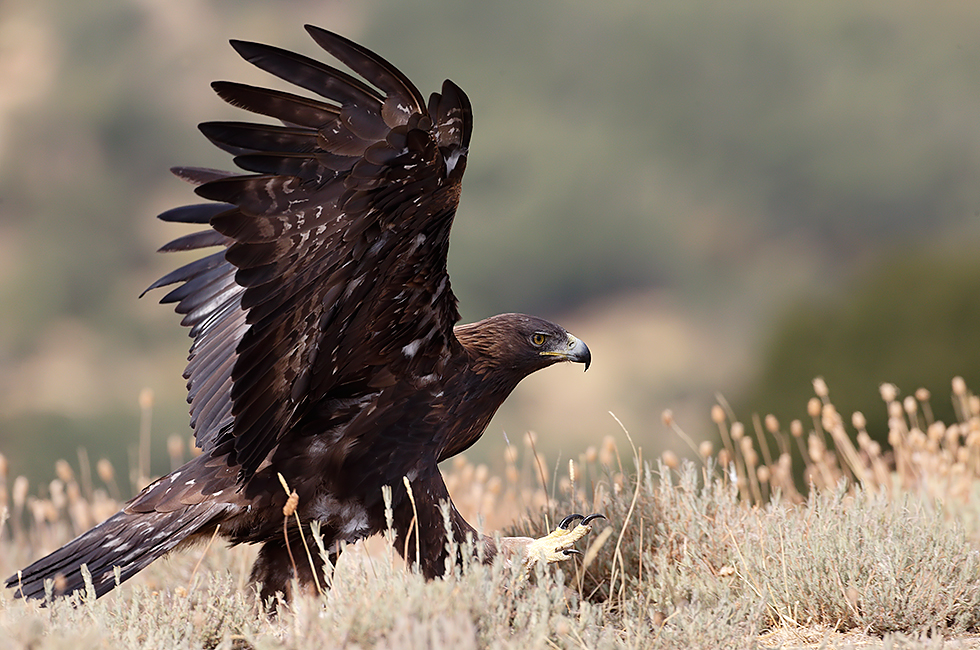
[(273, 568)]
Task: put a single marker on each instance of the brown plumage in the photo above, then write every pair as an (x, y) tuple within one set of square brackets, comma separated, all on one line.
[(324, 346)]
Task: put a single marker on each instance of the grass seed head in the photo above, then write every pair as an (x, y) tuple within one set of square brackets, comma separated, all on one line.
[(917, 439), (796, 428), (814, 407), (820, 387), (618, 480), (959, 386), (705, 449), (724, 458), (858, 420), (951, 436), (974, 402), (895, 410), (738, 431), (772, 424), (591, 454), (910, 405), (815, 448), (745, 443), (894, 435), (73, 492), (105, 471), (889, 392), (63, 470), (21, 485), (495, 486), (829, 416), (482, 473), (58, 498), (607, 452), (863, 439), (291, 504), (717, 414)]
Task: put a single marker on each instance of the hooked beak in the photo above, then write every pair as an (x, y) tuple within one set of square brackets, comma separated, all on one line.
[(576, 351)]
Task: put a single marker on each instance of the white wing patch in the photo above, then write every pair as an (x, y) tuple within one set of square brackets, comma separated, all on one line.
[(452, 160), (413, 347)]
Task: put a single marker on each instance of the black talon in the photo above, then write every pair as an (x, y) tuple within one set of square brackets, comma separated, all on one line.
[(585, 521), (571, 551), (567, 521)]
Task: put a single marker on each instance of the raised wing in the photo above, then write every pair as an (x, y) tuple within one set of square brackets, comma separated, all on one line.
[(332, 280)]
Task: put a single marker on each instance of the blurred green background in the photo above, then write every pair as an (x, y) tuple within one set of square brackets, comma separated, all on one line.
[(718, 197)]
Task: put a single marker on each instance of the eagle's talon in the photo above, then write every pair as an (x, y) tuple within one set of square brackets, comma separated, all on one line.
[(567, 521), (557, 545)]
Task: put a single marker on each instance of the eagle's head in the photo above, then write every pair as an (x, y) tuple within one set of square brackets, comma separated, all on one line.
[(520, 344)]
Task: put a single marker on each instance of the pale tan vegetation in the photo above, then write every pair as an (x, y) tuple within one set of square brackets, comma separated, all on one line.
[(850, 544)]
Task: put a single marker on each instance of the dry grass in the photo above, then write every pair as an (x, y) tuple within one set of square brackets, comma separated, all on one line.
[(855, 546)]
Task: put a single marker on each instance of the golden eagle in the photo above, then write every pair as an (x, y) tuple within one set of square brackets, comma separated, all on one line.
[(324, 347)]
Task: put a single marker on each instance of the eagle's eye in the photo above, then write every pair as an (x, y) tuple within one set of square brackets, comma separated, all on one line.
[(538, 339)]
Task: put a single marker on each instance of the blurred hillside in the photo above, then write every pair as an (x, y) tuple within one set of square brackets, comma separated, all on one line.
[(667, 179)]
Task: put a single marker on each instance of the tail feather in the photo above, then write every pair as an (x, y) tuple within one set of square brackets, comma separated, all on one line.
[(130, 541)]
